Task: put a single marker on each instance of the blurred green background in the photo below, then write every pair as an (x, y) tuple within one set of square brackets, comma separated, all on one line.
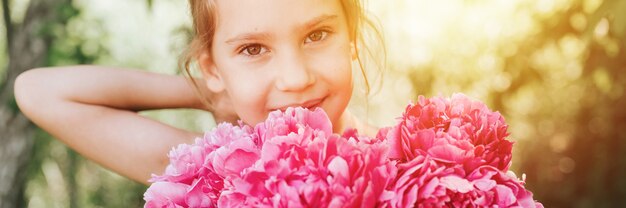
[(554, 68)]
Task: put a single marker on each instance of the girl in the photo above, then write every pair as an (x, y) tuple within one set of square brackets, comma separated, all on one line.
[(255, 57)]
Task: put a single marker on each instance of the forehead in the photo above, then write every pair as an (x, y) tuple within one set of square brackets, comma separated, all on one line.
[(236, 16)]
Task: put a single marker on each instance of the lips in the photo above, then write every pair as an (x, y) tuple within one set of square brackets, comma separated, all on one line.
[(310, 104)]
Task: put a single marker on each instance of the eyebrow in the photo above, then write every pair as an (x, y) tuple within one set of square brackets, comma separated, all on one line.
[(318, 20), (264, 35)]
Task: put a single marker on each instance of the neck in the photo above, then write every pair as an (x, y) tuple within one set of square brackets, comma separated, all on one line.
[(348, 121), (344, 122)]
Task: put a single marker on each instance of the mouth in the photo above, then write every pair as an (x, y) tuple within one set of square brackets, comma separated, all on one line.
[(310, 104)]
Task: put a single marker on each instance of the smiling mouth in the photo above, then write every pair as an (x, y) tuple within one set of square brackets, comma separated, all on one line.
[(311, 104)]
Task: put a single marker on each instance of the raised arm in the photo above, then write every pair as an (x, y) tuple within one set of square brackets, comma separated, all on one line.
[(93, 110)]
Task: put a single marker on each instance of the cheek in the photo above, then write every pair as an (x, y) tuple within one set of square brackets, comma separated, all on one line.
[(248, 92), (246, 86), (336, 66), (336, 72)]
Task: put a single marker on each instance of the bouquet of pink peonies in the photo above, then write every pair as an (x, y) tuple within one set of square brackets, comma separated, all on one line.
[(443, 152), (454, 153)]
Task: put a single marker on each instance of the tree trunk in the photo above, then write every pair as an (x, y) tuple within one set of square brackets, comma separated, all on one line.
[(28, 45)]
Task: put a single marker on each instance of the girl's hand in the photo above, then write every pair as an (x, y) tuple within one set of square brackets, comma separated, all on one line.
[(93, 110)]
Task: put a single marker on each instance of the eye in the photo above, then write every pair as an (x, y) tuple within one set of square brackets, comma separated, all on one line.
[(253, 50), (316, 36)]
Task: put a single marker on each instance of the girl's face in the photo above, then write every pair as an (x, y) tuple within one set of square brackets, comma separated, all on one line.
[(275, 54)]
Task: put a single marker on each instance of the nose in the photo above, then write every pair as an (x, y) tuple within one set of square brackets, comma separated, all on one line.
[(294, 72)]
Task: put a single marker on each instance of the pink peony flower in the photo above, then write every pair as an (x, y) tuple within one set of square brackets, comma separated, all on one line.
[(452, 131), (234, 156), (304, 165), (291, 121), (453, 153), (202, 166), (166, 194), (495, 187), (171, 194), (421, 182)]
